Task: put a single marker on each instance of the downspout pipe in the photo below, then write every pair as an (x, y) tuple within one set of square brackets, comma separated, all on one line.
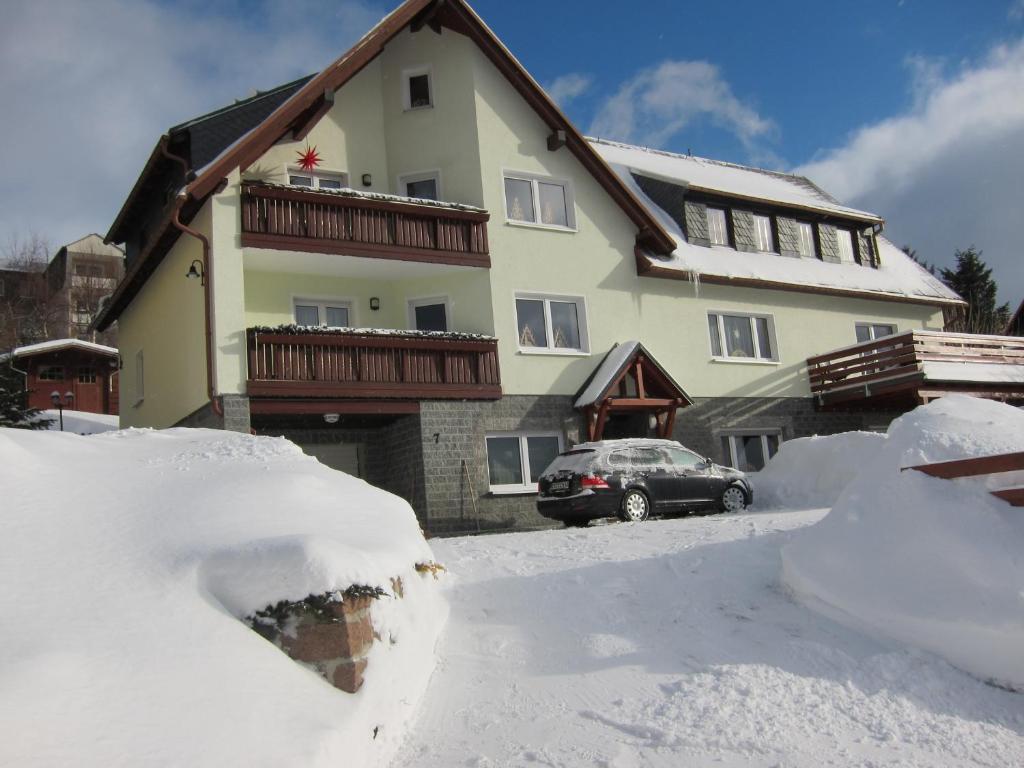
[(211, 389)]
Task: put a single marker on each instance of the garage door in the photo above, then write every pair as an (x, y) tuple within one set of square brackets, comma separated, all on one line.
[(345, 457)]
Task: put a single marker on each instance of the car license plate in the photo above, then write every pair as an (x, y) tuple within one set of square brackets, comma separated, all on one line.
[(559, 485)]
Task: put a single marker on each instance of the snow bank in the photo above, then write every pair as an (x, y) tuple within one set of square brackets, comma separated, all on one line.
[(811, 472), (934, 563), (129, 558), (81, 422)]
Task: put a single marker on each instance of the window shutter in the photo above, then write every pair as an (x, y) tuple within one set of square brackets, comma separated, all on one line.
[(743, 230), (867, 253), (696, 223), (789, 238), (829, 243)]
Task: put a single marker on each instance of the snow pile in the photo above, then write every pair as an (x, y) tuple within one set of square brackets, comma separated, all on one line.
[(935, 563), (82, 422), (129, 559), (811, 472)]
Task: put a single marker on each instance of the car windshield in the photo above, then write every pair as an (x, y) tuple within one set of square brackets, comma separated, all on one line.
[(574, 461)]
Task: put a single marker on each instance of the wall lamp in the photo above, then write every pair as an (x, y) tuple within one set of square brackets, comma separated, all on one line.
[(374, 303), (196, 270), (367, 180)]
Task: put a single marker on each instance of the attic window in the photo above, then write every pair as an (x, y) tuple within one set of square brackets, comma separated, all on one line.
[(805, 239), (417, 92), (845, 238), (717, 233)]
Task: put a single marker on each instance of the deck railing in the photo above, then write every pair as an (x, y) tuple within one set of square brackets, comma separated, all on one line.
[(981, 465), (371, 365), (286, 218), (902, 361)]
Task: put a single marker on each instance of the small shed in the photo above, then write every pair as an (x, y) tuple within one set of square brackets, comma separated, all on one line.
[(629, 380), (88, 371)]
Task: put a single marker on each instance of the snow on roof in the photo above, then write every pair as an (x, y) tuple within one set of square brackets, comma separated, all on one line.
[(727, 178), (897, 274), (55, 344), (980, 373), (606, 372)]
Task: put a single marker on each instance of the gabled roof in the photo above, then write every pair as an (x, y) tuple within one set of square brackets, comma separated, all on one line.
[(56, 345), (606, 377)]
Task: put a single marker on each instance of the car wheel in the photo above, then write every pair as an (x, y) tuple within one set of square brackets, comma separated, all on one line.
[(733, 499), (635, 507)]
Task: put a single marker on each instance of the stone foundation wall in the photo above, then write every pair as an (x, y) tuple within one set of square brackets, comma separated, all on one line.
[(236, 416)]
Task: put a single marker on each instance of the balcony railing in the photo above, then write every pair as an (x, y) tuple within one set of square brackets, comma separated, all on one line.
[(286, 218), (925, 363), (346, 364)]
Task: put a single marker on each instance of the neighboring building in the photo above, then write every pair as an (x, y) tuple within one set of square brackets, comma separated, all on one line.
[(78, 277), (425, 181), (85, 370), (1016, 325)]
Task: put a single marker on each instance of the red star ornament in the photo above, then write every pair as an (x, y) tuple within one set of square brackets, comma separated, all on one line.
[(308, 158)]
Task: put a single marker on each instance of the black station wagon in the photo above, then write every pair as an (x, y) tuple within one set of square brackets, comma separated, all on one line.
[(635, 478)]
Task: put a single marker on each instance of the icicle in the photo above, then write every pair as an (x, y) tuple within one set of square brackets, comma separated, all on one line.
[(693, 275)]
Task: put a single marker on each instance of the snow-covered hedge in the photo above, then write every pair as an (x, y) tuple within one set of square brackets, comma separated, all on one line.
[(935, 563), (130, 559), (811, 472)]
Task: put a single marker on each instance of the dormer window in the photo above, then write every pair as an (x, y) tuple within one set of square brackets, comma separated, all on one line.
[(417, 90), (805, 239), (845, 238), (317, 179), (763, 233), (717, 233)]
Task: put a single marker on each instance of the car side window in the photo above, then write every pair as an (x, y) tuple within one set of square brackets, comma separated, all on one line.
[(618, 459), (649, 458), (684, 459)]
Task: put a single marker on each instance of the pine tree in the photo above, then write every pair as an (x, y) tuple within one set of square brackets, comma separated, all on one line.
[(13, 410), (973, 281)]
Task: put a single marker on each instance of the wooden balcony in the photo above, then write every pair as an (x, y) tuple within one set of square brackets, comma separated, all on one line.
[(917, 366), (372, 366), (382, 227)]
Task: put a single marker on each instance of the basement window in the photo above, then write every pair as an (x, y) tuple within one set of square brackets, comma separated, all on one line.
[(515, 460), (750, 451)]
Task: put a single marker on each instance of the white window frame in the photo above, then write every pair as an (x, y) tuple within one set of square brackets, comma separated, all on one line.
[(140, 377), (524, 459), (427, 301), (534, 179), (550, 349), (321, 303), (763, 433), (772, 338), (871, 330), (763, 233), (407, 75), (718, 226), (846, 255), (805, 238), (316, 176), (405, 178)]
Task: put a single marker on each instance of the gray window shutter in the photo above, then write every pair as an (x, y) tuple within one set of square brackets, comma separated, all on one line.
[(867, 252), (789, 240), (697, 223), (743, 230), (829, 243)]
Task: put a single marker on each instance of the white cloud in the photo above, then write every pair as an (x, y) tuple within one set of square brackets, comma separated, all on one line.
[(565, 88), (1016, 11), (659, 102), (948, 172), (88, 88)]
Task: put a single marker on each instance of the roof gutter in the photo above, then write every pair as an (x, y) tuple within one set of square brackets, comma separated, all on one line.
[(204, 241)]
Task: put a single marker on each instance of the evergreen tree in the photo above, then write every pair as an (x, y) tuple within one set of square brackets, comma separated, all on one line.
[(13, 410), (912, 253), (973, 281)]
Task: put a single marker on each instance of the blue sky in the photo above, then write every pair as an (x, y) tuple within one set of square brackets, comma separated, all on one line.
[(910, 108)]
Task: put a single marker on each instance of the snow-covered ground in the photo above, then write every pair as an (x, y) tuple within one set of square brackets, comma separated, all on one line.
[(128, 561), (673, 643)]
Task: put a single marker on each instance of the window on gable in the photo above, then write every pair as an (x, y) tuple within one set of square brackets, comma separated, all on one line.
[(424, 186), (318, 179), (516, 460), (717, 233), (872, 331), (805, 239), (741, 336), (749, 452), (539, 200), (763, 233), (50, 373), (323, 314), (551, 324), (845, 238), (417, 91)]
